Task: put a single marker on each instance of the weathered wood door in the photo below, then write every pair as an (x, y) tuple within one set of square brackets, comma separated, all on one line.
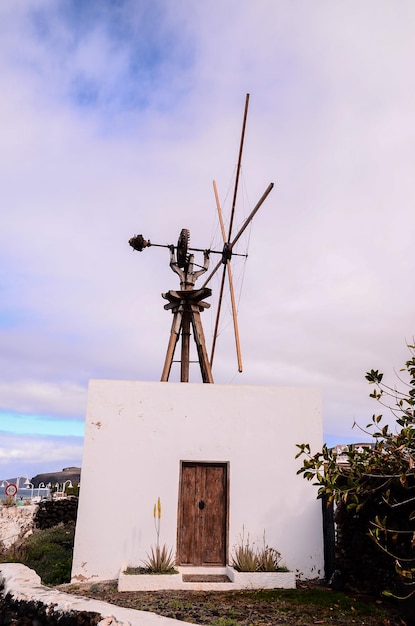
[(203, 514)]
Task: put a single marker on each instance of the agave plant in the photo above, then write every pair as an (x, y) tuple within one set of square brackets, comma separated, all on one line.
[(161, 559)]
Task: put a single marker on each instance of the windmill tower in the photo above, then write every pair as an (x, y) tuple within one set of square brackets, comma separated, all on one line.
[(188, 303), (190, 445)]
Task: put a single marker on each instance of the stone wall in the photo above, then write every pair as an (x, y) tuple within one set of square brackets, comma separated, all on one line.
[(53, 512)]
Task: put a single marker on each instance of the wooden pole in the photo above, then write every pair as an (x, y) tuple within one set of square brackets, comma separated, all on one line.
[(185, 355), (205, 366), (232, 293), (174, 336)]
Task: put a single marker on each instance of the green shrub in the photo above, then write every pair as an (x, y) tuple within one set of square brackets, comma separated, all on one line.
[(49, 553), (373, 489)]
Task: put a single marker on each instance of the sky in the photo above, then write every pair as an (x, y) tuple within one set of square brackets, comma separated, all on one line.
[(117, 115)]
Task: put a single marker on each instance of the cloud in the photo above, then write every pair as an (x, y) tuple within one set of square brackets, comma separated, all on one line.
[(27, 456), (118, 117), (67, 399)]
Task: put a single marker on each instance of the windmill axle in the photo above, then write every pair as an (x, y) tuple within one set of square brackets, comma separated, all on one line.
[(139, 243)]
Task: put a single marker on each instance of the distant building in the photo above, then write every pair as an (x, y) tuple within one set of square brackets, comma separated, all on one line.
[(68, 473)]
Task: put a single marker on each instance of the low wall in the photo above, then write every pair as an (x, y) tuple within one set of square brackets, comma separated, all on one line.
[(25, 601)]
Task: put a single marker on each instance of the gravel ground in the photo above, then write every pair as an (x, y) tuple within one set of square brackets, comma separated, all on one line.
[(307, 605)]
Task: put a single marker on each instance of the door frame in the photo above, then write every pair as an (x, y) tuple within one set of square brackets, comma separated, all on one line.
[(226, 466)]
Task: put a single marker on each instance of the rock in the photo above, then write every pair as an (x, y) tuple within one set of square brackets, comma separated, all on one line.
[(16, 522)]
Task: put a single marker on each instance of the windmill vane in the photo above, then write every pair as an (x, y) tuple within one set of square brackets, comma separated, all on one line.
[(187, 303)]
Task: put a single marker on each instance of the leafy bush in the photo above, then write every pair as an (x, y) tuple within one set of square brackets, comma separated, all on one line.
[(374, 488), (48, 552)]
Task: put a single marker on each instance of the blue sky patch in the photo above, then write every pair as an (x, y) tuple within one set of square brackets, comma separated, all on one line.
[(21, 424), (115, 55)]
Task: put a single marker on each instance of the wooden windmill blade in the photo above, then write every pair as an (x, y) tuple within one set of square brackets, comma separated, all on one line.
[(226, 261), (238, 168), (231, 290), (228, 245)]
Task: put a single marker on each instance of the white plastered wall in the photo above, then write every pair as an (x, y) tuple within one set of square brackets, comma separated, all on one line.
[(138, 432)]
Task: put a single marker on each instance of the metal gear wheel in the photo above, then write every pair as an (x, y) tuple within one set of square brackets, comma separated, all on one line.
[(182, 245)]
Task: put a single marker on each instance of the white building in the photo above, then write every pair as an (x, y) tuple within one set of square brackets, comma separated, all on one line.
[(222, 461)]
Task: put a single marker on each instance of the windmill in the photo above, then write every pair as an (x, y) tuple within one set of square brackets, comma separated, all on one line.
[(187, 303)]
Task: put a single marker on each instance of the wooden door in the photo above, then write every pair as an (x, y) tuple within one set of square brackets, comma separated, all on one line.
[(203, 514)]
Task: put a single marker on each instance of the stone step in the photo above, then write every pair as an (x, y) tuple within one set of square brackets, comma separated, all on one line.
[(205, 578)]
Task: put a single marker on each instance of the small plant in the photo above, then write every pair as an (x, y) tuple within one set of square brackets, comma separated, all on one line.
[(247, 558), (161, 559), (244, 558), (224, 621), (268, 559)]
